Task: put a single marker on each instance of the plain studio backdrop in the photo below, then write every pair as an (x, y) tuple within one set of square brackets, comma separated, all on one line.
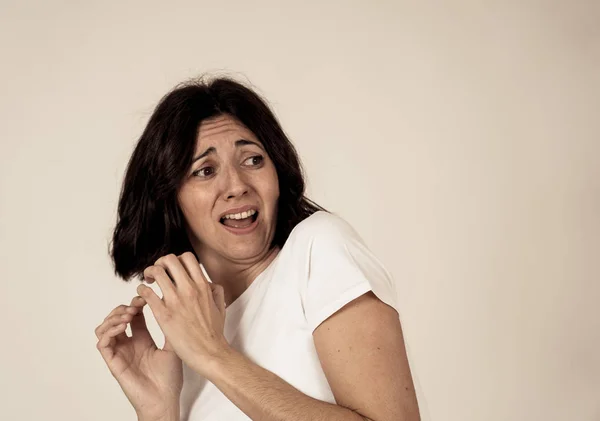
[(461, 140)]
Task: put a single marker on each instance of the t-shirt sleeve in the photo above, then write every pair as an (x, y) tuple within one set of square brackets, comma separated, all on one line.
[(340, 269)]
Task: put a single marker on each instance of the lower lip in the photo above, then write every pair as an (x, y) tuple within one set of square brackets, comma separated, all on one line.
[(242, 231)]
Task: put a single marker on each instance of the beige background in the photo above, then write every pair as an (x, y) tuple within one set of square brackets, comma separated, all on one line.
[(461, 139)]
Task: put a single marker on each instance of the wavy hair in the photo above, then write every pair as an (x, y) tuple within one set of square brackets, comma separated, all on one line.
[(150, 223)]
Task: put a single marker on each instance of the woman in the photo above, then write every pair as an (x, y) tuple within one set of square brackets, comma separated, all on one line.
[(272, 308)]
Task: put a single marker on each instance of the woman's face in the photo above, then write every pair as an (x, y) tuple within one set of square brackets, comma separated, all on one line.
[(233, 172)]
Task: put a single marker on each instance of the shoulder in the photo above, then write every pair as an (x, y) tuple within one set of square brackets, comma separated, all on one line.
[(337, 267), (324, 226)]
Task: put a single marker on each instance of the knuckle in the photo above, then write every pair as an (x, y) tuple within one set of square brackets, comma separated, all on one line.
[(114, 311), (166, 258), (118, 309)]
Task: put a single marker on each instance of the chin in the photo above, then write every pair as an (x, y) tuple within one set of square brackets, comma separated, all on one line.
[(243, 252)]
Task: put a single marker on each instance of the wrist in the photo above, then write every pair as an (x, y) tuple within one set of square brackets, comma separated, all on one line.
[(165, 418), (159, 419), (170, 415), (222, 362)]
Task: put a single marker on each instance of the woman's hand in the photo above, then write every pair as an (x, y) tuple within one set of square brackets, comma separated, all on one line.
[(191, 313), (151, 378)]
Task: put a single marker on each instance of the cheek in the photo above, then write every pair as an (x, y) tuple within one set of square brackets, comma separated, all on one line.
[(272, 185), (195, 206)]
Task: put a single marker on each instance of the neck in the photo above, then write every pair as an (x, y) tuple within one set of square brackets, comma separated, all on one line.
[(235, 277)]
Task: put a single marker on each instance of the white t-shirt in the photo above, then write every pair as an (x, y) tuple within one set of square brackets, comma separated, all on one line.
[(322, 266)]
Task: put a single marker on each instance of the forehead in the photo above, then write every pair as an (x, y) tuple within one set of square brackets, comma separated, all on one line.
[(222, 128)]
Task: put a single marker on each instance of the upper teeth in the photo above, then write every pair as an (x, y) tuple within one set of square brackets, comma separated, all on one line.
[(240, 215)]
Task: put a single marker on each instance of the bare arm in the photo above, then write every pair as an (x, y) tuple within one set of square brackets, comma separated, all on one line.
[(362, 353)]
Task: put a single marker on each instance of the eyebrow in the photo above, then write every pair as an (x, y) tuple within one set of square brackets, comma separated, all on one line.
[(238, 143)]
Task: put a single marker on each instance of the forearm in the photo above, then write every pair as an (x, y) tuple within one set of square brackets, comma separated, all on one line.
[(264, 396)]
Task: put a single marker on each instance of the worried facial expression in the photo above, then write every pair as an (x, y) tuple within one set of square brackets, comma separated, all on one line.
[(229, 196)]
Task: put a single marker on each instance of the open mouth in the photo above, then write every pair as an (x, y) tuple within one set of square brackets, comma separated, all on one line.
[(239, 223)]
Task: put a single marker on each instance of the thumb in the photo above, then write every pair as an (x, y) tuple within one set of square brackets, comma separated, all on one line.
[(167, 346), (218, 292), (218, 296)]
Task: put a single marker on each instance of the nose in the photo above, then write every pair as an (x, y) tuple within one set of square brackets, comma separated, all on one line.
[(235, 184)]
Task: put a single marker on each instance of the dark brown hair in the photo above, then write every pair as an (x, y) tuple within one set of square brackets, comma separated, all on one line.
[(150, 223)]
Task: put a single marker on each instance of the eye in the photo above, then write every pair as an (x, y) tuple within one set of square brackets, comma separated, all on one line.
[(255, 160), (204, 172)]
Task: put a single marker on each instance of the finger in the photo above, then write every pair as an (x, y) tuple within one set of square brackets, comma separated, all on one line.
[(167, 346), (139, 329), (196, 271), (117, 310), (219, 296), (164, 282), (113, 321), (116, 317), (156, 304), (108, 340), (175, 270), (138, 302), (191, 265)]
